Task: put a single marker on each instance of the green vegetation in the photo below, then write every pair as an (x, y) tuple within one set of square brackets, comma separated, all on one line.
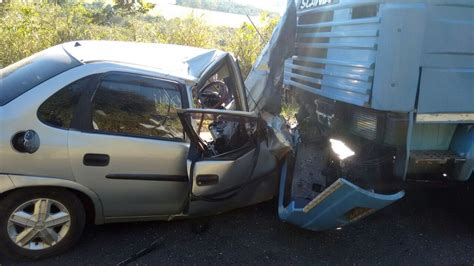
[(28, 28), (289, 110), (133, 7)]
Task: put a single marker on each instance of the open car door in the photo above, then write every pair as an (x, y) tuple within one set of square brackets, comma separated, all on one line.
[(229, 163)]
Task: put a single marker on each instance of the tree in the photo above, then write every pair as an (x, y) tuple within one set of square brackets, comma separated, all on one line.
[(133, 7), (26, 29), (246, 43)]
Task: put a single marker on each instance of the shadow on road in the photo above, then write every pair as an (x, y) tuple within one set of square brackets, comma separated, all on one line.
[(426, 227)]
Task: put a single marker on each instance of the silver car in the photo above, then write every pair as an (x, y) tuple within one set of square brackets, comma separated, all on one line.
[(116, 132)]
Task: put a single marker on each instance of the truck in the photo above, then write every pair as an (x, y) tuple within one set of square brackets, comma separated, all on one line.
[(385, 90)]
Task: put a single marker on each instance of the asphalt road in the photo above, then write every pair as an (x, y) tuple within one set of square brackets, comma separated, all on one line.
[(426, 227)]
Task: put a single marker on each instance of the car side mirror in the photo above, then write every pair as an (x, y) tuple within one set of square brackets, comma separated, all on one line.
[(26, 141)]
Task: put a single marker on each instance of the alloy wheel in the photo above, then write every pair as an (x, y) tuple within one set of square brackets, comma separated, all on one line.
[(39, 224)]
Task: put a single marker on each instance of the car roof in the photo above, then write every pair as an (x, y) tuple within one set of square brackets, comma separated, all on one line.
[(183, 62)]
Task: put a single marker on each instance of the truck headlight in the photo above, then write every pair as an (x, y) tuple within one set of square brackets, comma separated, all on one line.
[(341, 149)]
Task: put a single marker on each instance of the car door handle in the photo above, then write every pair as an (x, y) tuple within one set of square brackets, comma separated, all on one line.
[(207, 180), (97, 160)]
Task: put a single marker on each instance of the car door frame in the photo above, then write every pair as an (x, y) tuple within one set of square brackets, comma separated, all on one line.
[(81, 122), (233, 196)]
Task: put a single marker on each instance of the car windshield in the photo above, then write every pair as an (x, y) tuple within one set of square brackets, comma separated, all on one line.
[(22, 76)]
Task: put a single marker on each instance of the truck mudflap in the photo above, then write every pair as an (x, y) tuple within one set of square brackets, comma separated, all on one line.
[(339, 204)]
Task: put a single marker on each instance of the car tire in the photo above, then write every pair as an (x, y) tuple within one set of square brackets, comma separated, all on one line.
[(64, 222)]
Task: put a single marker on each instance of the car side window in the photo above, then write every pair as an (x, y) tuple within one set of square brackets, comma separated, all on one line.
[(137, 106), (58, 110)]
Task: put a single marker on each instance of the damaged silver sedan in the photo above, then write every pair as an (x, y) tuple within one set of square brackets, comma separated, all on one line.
[(117, 132)]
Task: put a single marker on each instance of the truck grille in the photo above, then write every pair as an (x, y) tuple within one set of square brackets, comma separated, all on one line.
[(364, 124), (335, 51)]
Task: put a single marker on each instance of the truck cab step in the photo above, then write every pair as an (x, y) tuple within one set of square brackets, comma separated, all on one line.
[(435, 157)]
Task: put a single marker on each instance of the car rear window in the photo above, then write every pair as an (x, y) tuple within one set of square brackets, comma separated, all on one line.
[(22, 76), (137, 106)]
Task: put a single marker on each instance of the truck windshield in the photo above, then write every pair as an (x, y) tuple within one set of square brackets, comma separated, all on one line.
[(24, 75)]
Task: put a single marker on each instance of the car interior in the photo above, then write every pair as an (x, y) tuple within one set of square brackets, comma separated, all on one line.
[(221, 134), (218, 92)]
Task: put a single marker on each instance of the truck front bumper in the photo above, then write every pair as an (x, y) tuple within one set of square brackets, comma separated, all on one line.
[(339, 204)]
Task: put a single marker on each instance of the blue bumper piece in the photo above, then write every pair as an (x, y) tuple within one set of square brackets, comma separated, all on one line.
[(340, 204)]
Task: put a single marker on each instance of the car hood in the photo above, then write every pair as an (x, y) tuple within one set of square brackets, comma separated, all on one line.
[(184, 62)]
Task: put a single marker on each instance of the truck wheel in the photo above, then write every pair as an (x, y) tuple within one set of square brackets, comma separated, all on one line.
[(39, 223)]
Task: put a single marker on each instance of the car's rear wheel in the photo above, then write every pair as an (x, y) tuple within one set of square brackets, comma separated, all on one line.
[(39, 223)]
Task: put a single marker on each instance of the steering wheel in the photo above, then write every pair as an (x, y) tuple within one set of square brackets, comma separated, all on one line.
[(213, 95)]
